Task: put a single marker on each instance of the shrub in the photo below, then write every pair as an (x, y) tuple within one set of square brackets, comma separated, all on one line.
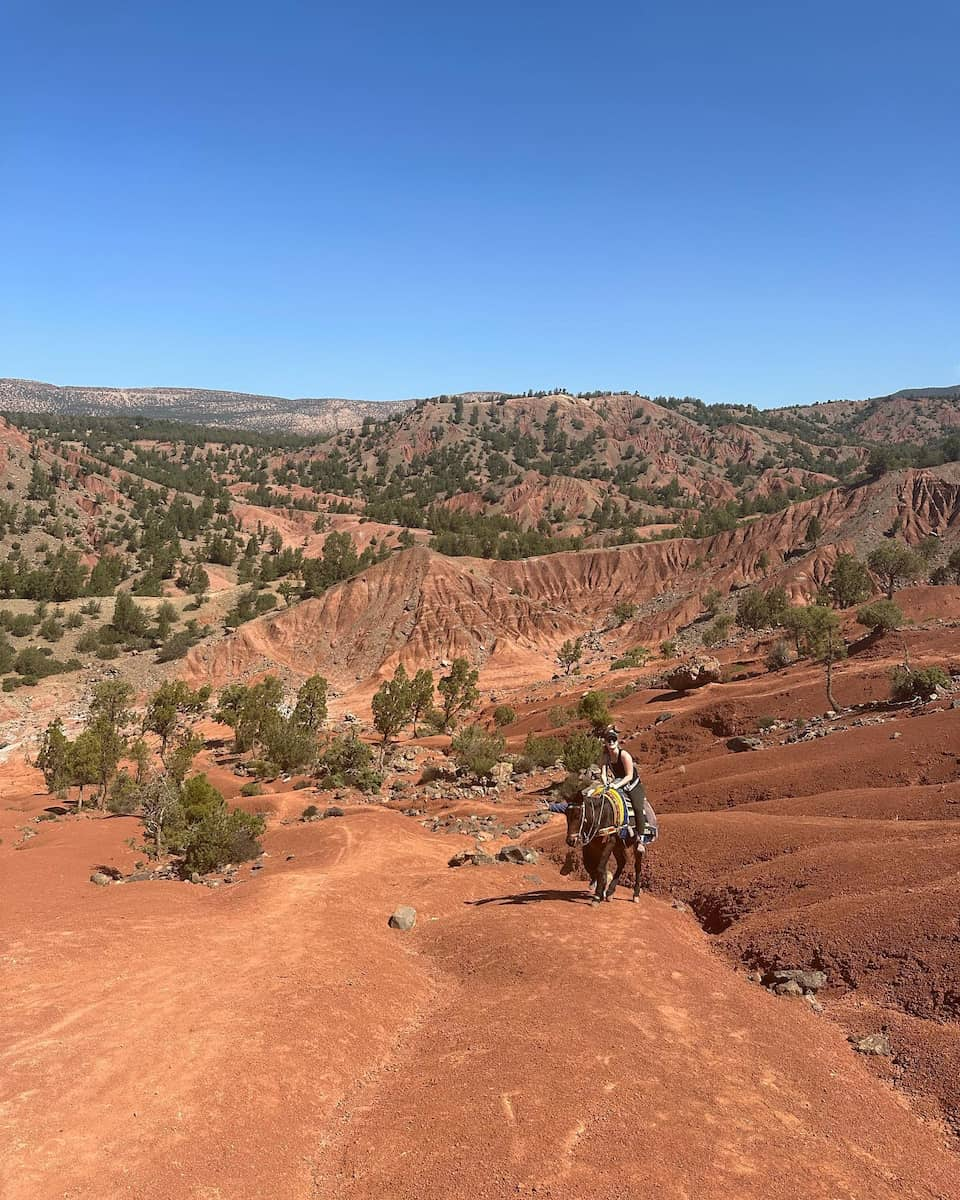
[(580, 751), (309, 812), (558, 715), (51, 630), (264, 768), (669, 648), (881, 616), (757, 610), (88, 642), (623, 611), (503, 715), (716, 631), (477, 750), (124, 797), (593, 708), (542, 751), (909, 684), (221, 836), (108, 652), (633, 658), (711, 601), (251, 789), (779, 656), (523, 765), (176, 646), (348, 762), (765, 723)]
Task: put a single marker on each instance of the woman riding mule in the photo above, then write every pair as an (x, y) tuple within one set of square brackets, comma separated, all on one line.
[(600, 821)]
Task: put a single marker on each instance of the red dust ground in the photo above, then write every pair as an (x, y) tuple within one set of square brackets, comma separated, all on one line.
[(275, 1038)]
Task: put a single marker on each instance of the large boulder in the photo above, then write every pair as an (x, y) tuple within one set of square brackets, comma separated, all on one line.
[(695, 673)]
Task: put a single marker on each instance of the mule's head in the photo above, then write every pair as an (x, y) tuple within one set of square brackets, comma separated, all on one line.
[(575, 820), (581, 815)]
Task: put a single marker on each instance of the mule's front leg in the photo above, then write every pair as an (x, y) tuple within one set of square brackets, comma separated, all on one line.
[(637, 869), (603, 876), (591, 858)]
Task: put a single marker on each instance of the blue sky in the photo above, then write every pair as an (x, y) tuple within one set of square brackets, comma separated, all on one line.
[(748, 202)]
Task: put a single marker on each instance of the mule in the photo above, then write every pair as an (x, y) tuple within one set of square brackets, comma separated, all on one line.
[(593, 826)]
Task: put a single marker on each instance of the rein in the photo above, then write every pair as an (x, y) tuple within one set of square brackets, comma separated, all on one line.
[(596, 823)]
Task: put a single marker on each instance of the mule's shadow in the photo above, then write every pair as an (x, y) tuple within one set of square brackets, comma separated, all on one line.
[(538, 896)]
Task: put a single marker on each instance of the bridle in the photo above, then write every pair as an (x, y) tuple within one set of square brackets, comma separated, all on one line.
[(596, 823)]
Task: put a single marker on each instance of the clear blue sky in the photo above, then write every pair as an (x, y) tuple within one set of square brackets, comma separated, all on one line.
[(754, 202)]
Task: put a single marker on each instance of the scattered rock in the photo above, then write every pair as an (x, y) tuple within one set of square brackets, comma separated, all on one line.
[(694, 674), (813, 1002), (100, 879), (471, 858), (333, 811), (807, 981), (741, 744), (403, 918), (532, 879), (895, 736), (139, 876), (290, 858), (873, 1043), (679, 906), (502, 773), (666, 716), (789, 988), (518, 855)]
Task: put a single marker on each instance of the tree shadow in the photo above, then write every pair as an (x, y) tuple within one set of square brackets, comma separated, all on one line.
[(538, 896)]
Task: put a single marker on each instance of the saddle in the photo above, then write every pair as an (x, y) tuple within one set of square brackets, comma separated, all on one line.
[(626, 819)]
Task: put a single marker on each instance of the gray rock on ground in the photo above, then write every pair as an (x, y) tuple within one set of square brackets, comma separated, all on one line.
[(519, 855), (403, 918), (873, 1043)]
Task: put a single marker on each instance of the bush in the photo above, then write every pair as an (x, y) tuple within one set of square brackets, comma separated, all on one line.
[(636, 657), (580, 751), (310, 812), (251, 789), (881, 616), (623, 611), (124, 797), (221, 836), (669, 649), (716, 631), (558, 715), (176, 646), (909, 684), (542, 751), (779, 656), (348, 762), (593, 708), (757, 610), (88, 642), (503, 714), (108, 652), (477, 750)]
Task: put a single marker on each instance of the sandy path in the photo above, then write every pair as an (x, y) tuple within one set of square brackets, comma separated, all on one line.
[(276, 1039)]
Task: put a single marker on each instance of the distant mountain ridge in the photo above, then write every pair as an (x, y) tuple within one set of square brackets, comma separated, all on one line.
[(200, 406), (875, 418)]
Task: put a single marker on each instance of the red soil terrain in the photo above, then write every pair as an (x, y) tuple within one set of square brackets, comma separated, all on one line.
[(275, 1038)]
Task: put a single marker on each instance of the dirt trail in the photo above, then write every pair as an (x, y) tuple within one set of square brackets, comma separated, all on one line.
[(275, 1038)]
